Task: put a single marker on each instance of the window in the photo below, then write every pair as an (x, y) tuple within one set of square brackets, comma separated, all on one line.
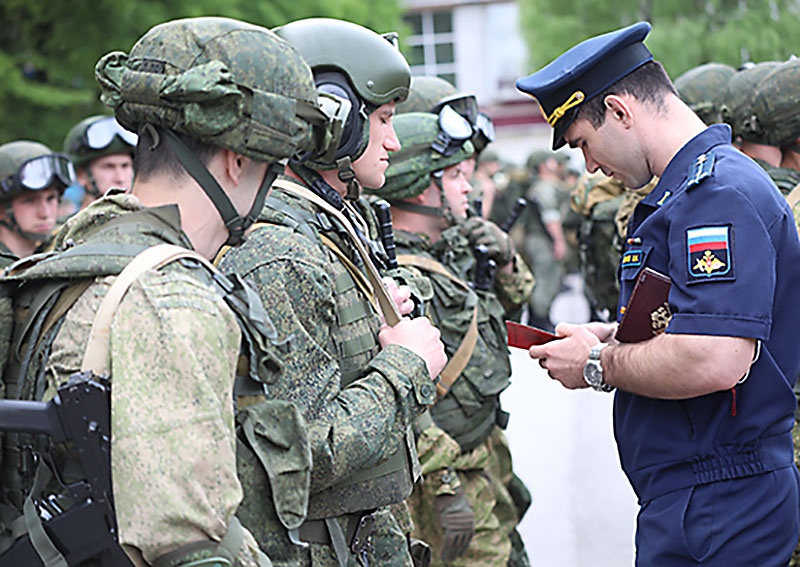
[(430, 49)]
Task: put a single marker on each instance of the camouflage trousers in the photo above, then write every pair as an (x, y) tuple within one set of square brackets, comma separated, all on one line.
[(512, 496), (490, 546)]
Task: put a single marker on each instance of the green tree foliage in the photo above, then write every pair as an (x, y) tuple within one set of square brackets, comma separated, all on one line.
[(686, 33), (48, 49)]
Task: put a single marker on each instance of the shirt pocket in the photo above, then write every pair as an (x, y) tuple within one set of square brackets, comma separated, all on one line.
[(633, 261)]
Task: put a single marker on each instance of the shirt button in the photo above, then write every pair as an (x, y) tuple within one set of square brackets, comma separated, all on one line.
[(426, 390)]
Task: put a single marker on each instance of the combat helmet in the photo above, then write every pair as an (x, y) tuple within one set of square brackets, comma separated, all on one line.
[(431, 94), (31, 166), (735, 108), (355, 65), (702, 87), (225, 83), (96, 137), (775, 112), (429, 144)]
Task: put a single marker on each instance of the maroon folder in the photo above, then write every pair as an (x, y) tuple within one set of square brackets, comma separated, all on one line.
[(523, 336), (647, 313)]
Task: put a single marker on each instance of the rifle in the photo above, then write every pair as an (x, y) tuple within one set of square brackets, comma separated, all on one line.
[(85, 530), (485, 268), (516, 211), (384, 214)]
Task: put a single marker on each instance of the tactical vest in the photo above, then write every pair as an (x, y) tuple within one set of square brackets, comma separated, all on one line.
[(355, 339), (600, 250), (470, 410), (56, 280)]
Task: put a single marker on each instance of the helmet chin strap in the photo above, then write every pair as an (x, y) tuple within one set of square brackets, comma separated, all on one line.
[(12, 225), (92, 189), (348, 176), (234, 222), (442, 211)]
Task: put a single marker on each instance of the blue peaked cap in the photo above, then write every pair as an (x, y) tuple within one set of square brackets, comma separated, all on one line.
[(583, 72)]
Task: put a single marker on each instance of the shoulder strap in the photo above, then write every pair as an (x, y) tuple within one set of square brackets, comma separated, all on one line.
[(794, 196), (95, 358), (458, 362), (388, 307)]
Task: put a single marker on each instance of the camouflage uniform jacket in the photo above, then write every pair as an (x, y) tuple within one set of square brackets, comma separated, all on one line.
[(357, 399), (174, 346), (469, 411), (7, 257)]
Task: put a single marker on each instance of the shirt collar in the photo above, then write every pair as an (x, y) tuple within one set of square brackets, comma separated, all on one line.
[(677, 170)]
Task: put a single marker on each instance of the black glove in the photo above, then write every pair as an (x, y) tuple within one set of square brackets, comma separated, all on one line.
[(481, 231), (458, 523)]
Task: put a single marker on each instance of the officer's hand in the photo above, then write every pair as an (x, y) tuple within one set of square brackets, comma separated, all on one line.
[(482, 231), (421, 338), (458, 523)]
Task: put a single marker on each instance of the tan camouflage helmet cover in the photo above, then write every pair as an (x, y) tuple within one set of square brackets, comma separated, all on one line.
[(221, 81)]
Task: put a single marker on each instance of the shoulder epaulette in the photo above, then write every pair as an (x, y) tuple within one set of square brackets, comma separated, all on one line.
[(701, 169)]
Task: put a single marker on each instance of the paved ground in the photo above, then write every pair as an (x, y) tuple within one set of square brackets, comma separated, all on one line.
[(583, 512)]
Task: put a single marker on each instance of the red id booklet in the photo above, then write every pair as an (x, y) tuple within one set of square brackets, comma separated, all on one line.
[(523, 336), (647, 313)]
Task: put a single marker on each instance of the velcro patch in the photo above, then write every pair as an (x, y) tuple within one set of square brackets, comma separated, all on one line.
[(709, 253), (632, 258)]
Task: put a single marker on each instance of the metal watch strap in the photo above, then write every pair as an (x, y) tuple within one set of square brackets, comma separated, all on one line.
[(594, 360)]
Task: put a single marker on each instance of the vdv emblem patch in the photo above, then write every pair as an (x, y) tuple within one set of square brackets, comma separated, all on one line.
[(709, 251)]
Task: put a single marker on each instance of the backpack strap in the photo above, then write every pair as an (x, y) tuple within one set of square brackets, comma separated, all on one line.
[(388, 307), (95, 358), (458, 362)]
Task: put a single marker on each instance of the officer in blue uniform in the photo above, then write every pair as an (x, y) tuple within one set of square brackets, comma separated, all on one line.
[(704, 404)]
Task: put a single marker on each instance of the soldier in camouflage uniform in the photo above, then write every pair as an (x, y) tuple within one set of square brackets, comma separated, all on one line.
[(32, 178), (102, 152), (218, 104), (463, 508), (776, 116), (432, 94), (358, 385)]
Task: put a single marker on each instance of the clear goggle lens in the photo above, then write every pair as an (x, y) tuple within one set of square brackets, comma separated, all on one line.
[(465, 105), (454, 130), (39, 173), (485, 127), (101, 133)]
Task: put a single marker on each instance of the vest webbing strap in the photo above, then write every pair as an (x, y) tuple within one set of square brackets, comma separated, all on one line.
[(95, 358), (387, 305), (458, 362), (361, 281), (794, 196)]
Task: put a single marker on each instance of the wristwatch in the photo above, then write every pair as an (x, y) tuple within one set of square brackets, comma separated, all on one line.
[(593, 370)]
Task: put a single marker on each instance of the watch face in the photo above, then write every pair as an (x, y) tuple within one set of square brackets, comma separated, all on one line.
[(592, 373)]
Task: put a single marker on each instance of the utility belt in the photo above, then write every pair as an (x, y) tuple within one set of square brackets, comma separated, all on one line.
[(348, 534)]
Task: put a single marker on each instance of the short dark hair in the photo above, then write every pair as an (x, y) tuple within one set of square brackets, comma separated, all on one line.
[(150, 159), (649, 83)]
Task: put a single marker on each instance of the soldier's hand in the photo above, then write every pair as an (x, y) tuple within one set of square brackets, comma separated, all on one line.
[(481, 231), (421, 338), (401, 295), (458, 523)]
